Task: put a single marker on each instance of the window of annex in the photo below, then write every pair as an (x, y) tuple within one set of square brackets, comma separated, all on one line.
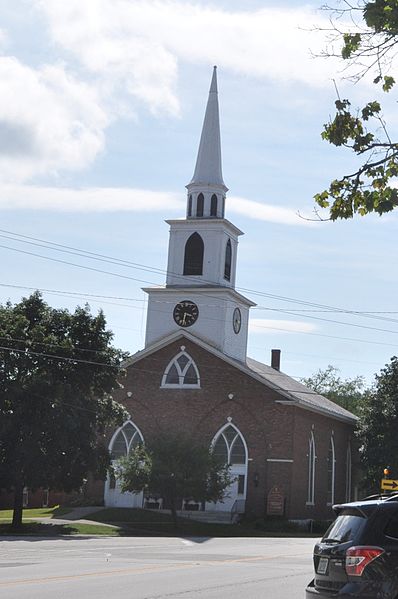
[(311, 470), (181, 372), (229, 446), (331, 463), (193, 255)]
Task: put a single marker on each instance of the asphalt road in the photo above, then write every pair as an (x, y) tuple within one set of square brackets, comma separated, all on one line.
[(154, 568)]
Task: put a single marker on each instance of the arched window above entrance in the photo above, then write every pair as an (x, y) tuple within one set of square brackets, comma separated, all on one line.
[(229, 446), (193, 256), (181, 372), (124, 440)]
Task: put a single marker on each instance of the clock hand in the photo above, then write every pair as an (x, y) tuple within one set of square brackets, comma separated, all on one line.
[(183, 320)]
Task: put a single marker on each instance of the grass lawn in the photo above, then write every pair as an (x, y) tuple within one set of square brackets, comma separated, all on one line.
[(42, 512), (138, 522)]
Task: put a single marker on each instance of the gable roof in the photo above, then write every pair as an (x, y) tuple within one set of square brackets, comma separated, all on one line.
[(292, 392)]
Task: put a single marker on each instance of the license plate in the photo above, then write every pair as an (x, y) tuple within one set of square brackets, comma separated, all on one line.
[(323, 565)]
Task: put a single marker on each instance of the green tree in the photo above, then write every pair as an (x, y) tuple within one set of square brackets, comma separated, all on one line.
[(57, 372), (378, 427), (348, 393), (175, 467), (369, 48)]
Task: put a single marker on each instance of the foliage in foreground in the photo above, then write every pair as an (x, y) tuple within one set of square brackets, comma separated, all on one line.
[(368, 33), (57, 373), (378, 427), (174, 467)]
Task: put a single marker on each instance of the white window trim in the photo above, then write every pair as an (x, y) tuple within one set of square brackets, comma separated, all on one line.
[(311, 471), (229, 449), (181, 373), (348, 476), (333, 470)]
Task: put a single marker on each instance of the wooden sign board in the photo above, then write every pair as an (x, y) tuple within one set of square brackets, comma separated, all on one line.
[(275, 502)]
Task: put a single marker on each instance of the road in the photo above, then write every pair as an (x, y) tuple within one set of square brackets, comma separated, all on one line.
[(154, 568)]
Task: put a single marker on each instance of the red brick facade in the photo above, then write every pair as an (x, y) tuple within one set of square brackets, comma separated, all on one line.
[(273, 431)]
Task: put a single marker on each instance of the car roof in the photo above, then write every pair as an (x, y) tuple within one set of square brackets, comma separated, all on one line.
[(369, 504)]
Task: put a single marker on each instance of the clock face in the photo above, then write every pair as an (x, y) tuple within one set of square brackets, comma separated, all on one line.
[(186, 313), (237, 320)]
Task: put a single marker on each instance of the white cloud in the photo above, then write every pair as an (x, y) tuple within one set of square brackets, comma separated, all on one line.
[(118, 199), (136, 44), (266, 212), (259, 325), (25, 197), (48, 121)]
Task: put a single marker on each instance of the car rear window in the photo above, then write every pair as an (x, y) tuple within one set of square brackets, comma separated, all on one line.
[(346, 527), (391, 529)]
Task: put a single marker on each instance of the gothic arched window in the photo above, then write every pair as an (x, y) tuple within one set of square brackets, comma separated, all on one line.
[(181, 372), (193, 256), (213, 205), (348, 473), (311, 470), (190, 205), (200, 205), (229, 446), (331, 472), (124, 440), (228, 261)]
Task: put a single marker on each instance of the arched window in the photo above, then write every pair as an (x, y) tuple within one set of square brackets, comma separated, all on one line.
[(124, 440), (229, 446), (199, 205), (223, 206), (181, 372), (213, 205), (331, 472), (193, 257), (228, 261), (190, 205), (311, 470), (348, 473)]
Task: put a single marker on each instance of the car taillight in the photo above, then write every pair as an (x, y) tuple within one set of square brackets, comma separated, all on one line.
[(357, 558)]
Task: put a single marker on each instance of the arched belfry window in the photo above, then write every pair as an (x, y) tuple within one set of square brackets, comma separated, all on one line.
[(200, 205), (124, 440), (311, 470), (229, 446), (190, 205), (213, 205), (181, 372), (331, 471), (228, 261), (193, 256)]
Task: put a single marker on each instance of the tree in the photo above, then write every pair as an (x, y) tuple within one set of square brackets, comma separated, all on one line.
[(174, 467), (378, 427), (369, 46), (348, 393), (57, 372)]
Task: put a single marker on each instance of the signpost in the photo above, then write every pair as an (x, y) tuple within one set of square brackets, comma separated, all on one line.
[(388, 484)]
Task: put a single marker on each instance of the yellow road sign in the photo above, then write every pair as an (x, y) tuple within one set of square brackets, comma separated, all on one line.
[(388, 484)]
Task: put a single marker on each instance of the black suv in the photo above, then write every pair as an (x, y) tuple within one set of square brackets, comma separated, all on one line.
[(358, 555)]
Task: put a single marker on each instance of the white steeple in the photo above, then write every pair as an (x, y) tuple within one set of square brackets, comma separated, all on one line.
[(200, 295), (208, 169)]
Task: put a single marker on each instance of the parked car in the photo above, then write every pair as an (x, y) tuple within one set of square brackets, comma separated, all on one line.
[(358, 555)]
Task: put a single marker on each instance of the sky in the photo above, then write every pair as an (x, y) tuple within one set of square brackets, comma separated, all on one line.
[(101, 108)]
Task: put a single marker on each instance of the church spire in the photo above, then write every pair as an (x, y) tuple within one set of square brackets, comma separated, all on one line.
[(208, 170)]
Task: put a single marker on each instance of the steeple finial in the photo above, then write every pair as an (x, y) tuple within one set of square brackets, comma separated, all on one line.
[(208, 169)]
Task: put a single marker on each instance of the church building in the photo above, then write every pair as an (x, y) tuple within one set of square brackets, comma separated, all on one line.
[(289, 449)]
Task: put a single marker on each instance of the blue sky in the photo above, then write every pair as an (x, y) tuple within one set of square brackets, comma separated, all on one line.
[(101, 107)]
